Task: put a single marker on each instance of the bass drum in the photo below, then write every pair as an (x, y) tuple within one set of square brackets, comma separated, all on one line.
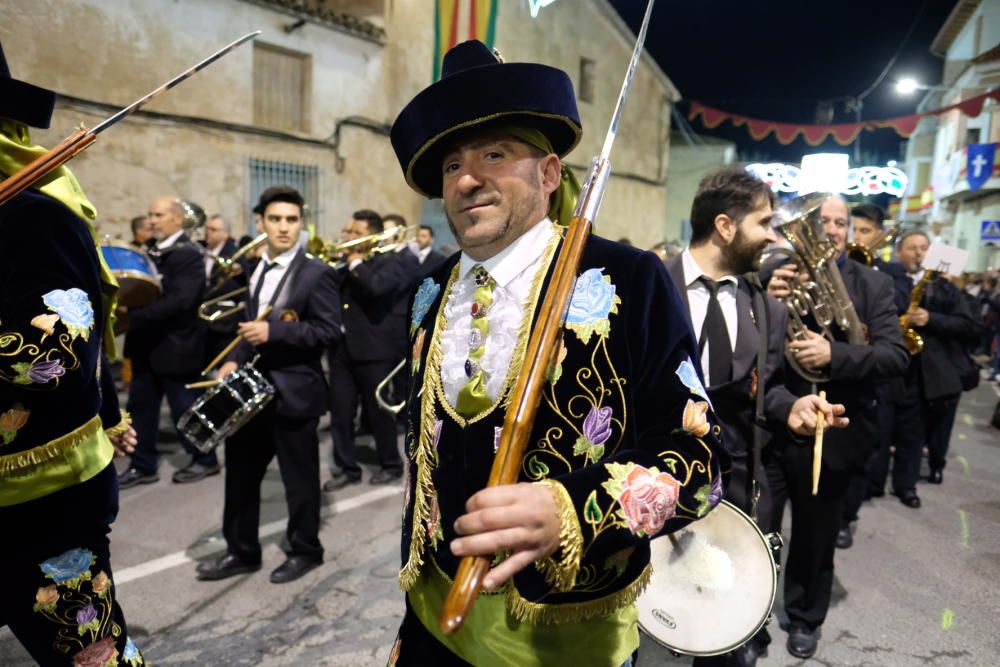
[(138, 279), (713, 584)]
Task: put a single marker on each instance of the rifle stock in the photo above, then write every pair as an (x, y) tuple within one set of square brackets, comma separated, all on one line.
[(38, 168)]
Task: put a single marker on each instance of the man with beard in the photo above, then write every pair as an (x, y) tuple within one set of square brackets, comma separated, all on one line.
[(736, 321), (852, 370)]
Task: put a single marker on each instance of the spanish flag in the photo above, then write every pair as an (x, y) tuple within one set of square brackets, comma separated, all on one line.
[(457, 21)]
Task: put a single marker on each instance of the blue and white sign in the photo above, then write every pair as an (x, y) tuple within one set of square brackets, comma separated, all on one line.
[(980, 165), (989, 231)]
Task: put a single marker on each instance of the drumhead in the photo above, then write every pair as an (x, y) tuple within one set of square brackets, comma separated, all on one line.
[(224, 408), (712, 587)]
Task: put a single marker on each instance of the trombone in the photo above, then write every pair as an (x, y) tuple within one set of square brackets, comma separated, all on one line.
[(383, 402), (865, 254), (229, 267), (381, 243)]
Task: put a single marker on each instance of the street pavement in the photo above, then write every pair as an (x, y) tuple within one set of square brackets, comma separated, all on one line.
[(919, 587)]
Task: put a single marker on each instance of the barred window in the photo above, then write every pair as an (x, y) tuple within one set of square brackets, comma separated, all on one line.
[(302, 177), (588, 72), (281, 88)]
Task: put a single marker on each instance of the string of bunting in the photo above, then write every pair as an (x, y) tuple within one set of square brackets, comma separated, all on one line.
[(843, 133)]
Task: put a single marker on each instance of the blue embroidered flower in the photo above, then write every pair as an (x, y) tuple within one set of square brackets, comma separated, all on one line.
[(593, 300), (422, 301), (689, 378), (131, 653), (69, 568), (74, 308)]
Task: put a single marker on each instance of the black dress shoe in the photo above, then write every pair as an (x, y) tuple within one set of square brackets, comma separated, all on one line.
[(340, 481), (802, 642), (293, 568), (385, 476), (226, 565), (936, 476), (844, 538), (133, 477), (194, 472), (749, 653), (908, 497)]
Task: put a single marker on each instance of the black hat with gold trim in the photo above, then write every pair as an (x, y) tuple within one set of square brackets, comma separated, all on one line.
[(22, 101), (476, 87)]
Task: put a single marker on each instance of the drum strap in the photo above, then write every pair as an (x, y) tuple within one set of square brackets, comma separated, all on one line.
[(760, 421)]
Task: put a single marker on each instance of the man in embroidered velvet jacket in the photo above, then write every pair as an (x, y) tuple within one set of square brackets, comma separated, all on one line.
[(59, 417), (624, 446)]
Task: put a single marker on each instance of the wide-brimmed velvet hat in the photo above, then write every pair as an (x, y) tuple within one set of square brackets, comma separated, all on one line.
[(22, 101), (477, 88)]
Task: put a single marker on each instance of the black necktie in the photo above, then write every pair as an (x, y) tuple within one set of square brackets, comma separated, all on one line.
[(716, 334), (255, 300)]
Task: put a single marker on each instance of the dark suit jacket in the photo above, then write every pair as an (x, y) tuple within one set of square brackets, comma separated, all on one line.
[(952, 326), (856, 369), (304, 321), (734, 401), (167, 335), (433, 260), (370, 293), (228, 248)]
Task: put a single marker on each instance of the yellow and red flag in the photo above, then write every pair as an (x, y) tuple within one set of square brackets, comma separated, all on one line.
[(457, 21)]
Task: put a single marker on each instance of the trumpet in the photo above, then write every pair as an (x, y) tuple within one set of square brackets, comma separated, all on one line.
[(229, 267), (335, 253), (823, 294), (865, 254)]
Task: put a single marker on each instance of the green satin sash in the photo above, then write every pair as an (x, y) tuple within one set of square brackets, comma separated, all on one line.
[(492, 637)]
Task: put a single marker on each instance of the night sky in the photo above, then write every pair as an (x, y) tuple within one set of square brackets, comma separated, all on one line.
[(776, 60)]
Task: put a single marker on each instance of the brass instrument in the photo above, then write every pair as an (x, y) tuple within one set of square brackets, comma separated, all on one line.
[(335, 253), (913, 341), (823, 294), (865, 254), (229, 268), (194, 216), (386, 384)]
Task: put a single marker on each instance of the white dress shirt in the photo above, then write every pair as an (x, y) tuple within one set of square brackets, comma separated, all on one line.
[(169, 241), (209, 262), (514, 270), (271, 278), (698, 298)]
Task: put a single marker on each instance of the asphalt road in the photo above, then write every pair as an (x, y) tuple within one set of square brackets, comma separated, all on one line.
[(919, 587)]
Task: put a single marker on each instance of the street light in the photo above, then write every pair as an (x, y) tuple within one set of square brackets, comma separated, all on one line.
[(909, 85)]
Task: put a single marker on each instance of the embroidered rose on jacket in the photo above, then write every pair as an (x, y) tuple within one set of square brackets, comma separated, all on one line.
[(695, 419), (422, 302), (11, 422), (593, 300), (688, 376), (646, 496), (46, 598), (86, 619), (69, 568), (74, 308), (38, 372), (131, 654), (596, 431), (99, 654), (709, 496), (99, 584), (46, 323)]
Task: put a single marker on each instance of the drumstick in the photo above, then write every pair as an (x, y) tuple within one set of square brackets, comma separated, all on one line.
[(203, 384), (229, 348), (818, 444)]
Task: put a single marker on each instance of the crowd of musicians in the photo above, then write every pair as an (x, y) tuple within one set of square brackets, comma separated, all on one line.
[(675, 383)]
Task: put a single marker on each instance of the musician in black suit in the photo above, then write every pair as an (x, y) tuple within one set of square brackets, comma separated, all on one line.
[(423, 248), (166, 343), (852, 370), (716, 278), (372, 347), (303, 322), (219, 243), (948, 325)]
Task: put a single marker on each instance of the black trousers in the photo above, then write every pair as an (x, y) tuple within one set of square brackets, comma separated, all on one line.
[(57, 592), (939, 416), (901, 424), (815, 523), (144, 399), (248, 453), (350, 380)]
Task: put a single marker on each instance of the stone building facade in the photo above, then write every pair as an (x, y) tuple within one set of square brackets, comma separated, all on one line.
[(310, 101)]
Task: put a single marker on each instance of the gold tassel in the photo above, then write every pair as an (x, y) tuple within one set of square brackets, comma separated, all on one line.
[(574, 612), (561, 574)]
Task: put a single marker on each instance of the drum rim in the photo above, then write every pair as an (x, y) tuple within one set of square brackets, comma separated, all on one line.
[(137, 275), (763, 621), (234, 422)]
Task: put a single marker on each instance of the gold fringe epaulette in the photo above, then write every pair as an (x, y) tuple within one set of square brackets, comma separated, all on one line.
[(561, 573), (574, 612)]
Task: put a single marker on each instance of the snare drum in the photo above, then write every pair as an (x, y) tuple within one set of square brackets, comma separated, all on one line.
[(138, 279), (223, 409), (713, 584)]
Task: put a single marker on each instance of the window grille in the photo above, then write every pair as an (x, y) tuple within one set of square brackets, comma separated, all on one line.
[(302, 177)]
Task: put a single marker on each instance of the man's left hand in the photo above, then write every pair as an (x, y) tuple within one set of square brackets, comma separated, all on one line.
[(255, 333), (919, 317), (520, 518), (813, 352), (802, 418)]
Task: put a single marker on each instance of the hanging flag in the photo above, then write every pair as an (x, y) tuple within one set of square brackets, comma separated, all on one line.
[(979, 167), (457, 21)]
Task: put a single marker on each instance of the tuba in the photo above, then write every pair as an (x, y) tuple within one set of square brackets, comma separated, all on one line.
[(823, 293)]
